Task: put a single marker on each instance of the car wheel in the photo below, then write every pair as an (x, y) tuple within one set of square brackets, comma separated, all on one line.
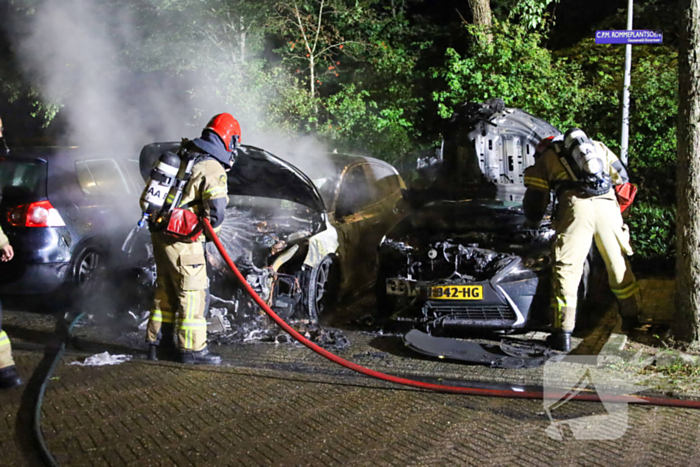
[(88, 271), (322, 291)]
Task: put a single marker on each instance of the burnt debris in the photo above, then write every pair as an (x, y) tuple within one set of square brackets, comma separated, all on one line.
[(262, 329), (268, 248), (465, 257)]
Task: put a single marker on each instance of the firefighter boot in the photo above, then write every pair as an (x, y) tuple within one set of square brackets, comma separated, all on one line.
[(202, 357), (630, 310), (560, 340), (165, 348), (9, 378), (164, 351), (153, 352)]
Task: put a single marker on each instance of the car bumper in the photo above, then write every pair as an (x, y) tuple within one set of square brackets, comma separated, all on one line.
[(502, 305), (24, 279)]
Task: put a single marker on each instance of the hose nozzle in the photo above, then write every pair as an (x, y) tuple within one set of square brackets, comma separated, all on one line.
[(142, 222)]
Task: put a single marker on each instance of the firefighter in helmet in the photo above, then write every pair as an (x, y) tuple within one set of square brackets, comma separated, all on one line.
[(582, 173), (177, 317), (8, 373)]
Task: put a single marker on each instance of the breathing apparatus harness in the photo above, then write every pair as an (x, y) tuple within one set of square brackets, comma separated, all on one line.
[(161, 198), (162, 195), (586, 169)]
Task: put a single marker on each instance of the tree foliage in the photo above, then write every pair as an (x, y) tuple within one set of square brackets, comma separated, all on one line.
[(376, 76), (532, 14), (515, 67)]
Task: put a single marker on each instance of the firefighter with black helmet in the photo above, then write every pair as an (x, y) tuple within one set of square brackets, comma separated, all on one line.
[(582, 173), (177, 317)]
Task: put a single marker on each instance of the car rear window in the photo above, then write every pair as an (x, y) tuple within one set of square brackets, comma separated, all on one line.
[(22, 179)]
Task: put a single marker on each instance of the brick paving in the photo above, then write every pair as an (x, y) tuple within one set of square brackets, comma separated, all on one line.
[(283, 405), (143, 413)]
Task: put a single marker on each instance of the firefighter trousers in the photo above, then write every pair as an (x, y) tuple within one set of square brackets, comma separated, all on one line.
[(180, 295), (579, 221), (5, 347)]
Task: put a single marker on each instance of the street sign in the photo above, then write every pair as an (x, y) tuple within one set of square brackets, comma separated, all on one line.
[(634, 36)]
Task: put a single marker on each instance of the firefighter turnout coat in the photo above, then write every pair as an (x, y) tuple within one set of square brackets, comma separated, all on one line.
[(5, 348), (580, 219), (181, 285)]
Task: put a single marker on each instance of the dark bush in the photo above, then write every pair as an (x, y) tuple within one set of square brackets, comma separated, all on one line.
[(653, 231)]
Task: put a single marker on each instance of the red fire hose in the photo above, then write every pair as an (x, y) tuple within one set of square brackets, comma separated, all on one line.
[(591, 397)]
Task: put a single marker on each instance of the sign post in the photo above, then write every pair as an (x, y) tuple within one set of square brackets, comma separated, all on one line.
[(627, 37), (625, 138)]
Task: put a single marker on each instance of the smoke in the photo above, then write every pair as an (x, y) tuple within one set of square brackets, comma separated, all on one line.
[(83, 54), (88, 56), (72, 52)]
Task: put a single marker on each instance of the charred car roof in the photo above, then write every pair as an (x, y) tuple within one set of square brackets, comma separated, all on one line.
[(326, 170)]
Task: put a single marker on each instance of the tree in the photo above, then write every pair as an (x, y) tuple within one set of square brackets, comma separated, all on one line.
[(532, 13), (481, 12), (515, 67), (687, 316), (318, 31)]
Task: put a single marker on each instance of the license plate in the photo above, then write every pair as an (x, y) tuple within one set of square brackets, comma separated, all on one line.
[(457, 292)]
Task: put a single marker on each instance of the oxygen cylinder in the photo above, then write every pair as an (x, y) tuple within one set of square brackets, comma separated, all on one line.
[(584, 152), (182, 177), (162, 178), (588, 159)]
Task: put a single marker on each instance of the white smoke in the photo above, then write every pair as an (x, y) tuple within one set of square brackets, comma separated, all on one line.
[(81, 53), (73, 52), (77, 52)]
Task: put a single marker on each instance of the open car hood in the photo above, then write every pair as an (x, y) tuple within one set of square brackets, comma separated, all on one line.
[(255, 173), (448, 218)]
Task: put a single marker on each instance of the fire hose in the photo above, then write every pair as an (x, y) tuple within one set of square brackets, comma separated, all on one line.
[(472, 391)]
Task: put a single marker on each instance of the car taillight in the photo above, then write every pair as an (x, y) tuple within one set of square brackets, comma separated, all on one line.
[(38, 214)]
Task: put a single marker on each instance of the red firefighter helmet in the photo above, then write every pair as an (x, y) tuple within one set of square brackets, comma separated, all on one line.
[(543, 145), (227, 128)]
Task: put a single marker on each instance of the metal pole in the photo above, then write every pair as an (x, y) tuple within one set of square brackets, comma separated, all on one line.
[(625, 139)]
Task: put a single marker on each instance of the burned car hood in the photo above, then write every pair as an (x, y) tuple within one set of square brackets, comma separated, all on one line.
[(255, 173), (483, 222)]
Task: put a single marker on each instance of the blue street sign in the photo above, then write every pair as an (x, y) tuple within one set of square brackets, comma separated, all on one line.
[(635, 36)]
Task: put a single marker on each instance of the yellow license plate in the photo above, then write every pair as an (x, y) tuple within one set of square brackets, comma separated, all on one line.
[(457, 292)]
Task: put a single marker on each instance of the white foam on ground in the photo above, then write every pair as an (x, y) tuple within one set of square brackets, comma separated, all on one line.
[(254, 335), (102, 359)]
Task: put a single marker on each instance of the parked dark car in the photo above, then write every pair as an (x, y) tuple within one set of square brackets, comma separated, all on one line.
[(464, 258), (301, 238), (66, 212)]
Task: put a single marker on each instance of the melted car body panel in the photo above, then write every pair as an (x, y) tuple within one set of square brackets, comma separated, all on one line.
[(466, 232), (322, 245)]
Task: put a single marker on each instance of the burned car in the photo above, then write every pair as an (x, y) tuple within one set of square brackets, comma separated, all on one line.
[(464, 258), (302, 239)]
